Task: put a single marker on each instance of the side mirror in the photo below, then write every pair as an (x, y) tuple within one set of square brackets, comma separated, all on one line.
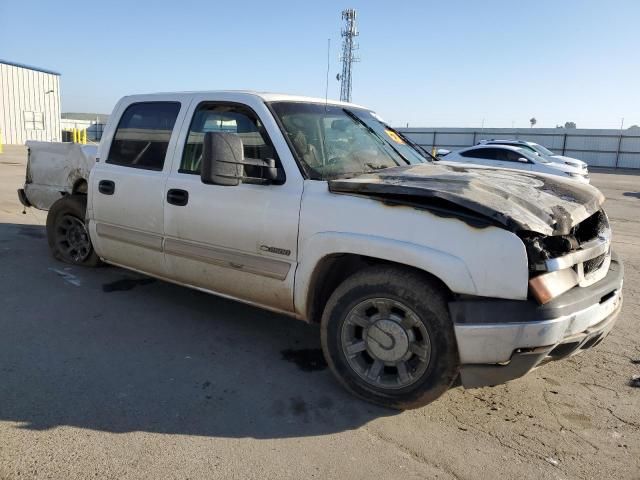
[(523, 160), (223, 162), (441, 152), (222, 159)]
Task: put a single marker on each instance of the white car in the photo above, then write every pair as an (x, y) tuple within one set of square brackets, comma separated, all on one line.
[(516, 158), (540, 150)]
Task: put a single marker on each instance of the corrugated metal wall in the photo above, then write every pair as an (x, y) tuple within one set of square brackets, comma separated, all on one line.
[(27, 111), (597, 147)]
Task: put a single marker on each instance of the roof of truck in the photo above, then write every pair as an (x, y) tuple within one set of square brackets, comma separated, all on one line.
[(266, 96)]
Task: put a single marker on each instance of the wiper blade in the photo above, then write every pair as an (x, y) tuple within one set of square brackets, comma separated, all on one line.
[(412, 144), (372, 131), (361, 122)]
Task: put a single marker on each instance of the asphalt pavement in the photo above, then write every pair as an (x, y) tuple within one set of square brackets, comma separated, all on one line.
[(105, 373)]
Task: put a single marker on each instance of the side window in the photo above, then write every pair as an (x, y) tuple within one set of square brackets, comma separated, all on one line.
[(513, 156), (471, 154), (486, 153), (212, 117), (499, 154), (143, 134), (493, 154)]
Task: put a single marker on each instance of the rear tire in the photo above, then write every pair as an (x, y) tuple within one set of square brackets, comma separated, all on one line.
[(67, 233), (388, 338)]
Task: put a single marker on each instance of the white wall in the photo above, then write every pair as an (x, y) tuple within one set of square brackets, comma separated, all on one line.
[(23, 97), (597, 147)]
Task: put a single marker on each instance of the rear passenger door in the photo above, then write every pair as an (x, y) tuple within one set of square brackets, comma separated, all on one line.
[(127, 184)]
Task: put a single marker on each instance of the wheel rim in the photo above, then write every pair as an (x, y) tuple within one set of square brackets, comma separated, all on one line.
[(72, 239), (385, 343)]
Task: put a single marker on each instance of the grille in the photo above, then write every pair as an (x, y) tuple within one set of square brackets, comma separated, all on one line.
[(594, 227), (594, 264)]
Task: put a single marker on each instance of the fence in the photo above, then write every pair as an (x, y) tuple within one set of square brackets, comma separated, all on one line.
[(600, 148), (94, 130)]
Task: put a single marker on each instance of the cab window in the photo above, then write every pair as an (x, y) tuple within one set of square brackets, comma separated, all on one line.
[(229, 118), (142, 136)]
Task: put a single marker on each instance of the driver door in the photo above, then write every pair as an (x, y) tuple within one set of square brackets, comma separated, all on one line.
[(237, 241)]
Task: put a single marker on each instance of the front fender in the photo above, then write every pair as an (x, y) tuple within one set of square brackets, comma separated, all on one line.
[(448, 268)]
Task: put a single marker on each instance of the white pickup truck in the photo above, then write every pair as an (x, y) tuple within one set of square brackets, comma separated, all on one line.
[(421, 276)]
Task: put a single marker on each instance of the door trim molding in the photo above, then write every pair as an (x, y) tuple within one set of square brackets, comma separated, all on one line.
[(151, 241), (246, 262)]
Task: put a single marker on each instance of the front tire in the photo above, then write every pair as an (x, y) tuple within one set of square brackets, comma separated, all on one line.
[(388, 338), (67, 233)]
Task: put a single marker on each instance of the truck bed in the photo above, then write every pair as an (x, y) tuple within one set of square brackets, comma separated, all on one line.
[(55, 169)]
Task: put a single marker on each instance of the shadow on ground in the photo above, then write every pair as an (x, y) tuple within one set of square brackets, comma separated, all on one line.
[(632, 194), (106, 349)]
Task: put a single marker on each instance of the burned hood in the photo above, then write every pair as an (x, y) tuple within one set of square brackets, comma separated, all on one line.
[(519, 201)]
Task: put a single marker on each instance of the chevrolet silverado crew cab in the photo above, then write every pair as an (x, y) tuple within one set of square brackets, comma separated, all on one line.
[(420, 276)]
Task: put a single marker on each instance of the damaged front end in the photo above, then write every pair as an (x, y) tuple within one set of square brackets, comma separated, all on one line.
[(559, 263), (574, 279), (561, 223)]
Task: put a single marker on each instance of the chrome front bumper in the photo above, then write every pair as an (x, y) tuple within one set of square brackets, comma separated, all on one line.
[(501, 340)]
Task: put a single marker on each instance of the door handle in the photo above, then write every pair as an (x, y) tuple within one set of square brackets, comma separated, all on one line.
[(107, 187), (177, 197)]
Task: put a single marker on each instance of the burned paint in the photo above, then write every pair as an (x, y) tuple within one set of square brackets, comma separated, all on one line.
[(518, 201), (439, 208)]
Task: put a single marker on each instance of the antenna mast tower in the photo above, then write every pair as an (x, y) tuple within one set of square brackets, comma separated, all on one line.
[(348, 58)]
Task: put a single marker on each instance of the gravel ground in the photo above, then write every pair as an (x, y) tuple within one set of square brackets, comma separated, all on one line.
[(107, 374)]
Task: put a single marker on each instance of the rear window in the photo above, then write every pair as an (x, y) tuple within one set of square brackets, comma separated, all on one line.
[(143, 135)]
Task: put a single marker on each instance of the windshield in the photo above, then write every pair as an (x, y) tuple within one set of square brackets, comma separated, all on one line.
[(535, 156), (542, 150), (331, 141)]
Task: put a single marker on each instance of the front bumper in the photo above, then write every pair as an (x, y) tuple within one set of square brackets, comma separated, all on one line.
[(499, 340)]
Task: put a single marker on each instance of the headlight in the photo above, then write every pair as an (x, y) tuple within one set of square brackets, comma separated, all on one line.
[(575, 175), (549, 285)]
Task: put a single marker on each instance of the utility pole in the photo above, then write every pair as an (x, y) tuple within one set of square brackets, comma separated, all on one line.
[(348, 58)]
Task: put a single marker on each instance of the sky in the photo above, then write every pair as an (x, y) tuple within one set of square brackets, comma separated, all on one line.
[(424, 63)]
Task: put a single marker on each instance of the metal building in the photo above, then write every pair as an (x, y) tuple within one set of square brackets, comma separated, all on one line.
[(29, 104)]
